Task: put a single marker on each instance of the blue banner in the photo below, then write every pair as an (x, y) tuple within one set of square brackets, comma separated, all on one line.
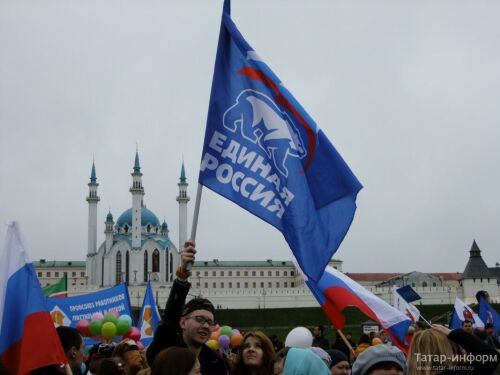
[(263, 152), (149, 317), (408, 293), (68, 311)]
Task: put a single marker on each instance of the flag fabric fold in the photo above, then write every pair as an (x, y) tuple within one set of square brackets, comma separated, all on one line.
[(28, 339), (405, 307), (488, 314), (57, 290), (264, 152), (335, 291), (462, 312), (149, 317)]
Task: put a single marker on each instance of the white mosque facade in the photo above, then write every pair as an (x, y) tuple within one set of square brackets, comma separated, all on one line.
[(137, 247)]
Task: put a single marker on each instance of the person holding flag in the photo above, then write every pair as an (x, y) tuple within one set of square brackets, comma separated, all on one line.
[(187, 325)]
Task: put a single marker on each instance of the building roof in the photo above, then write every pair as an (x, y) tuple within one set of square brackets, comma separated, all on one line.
[(58, 263), (476, 268), (147, 217), (244, 263), (372, 276)]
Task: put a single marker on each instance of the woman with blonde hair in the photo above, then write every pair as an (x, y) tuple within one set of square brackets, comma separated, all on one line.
[(440, 351), (255, 355)]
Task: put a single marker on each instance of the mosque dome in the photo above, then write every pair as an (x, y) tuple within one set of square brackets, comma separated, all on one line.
[(147, 217)]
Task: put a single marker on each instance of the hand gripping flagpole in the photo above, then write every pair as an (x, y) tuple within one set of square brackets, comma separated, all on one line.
[(194, 226)]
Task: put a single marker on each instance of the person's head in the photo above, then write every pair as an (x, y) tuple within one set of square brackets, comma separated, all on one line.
[(72, 344), (129, 352), (110, 366), (431, 344), (380, 360), (489, 329), (197, 321), (279, 361), (419, 326), (383, 336), (364, 339), (348, 336), (467, 326), (484, 295), (318, 331), (304, 362), (340, 363), (176, 361), (255, 352), (97, 353)]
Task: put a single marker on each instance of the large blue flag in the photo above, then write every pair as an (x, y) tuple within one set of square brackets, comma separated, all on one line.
[(264, 152), (488, 314), (149, 317)]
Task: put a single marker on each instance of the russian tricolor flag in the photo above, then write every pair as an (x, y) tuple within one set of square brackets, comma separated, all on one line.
[(28, 339), (335, 291)]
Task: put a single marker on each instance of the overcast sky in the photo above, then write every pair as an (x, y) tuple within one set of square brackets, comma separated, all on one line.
[(407, 91)]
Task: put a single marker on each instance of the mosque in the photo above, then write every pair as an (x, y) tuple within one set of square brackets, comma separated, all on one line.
[(137, 248)]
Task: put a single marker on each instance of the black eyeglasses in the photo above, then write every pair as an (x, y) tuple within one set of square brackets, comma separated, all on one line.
[(202, 320)]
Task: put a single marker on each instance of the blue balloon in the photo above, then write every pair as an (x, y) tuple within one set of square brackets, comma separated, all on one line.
[(126, 317)]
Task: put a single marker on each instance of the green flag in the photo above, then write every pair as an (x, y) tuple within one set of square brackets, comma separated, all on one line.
[(57, 290)]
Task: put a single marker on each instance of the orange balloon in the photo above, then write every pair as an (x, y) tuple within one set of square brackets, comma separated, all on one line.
[(236, 340), (215, 335)]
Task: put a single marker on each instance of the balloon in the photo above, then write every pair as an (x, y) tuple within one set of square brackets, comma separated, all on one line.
[(299, 337), (236, 340), (108, 330), (224, 341), (126, 317), (83, 327), (123, 326), (133, 334), (213, 344), (215, 335), (110, 318), (140, 345), (97, 316), (95, 327), (216, 327), (235, 331), (114, 312), (226, 330)]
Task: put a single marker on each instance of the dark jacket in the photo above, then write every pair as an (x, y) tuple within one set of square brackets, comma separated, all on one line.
[(321, 342), (169, 333), (474, 346)]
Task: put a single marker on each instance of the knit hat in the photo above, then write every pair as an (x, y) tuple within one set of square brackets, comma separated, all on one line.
[(377, 354), (336, 356)]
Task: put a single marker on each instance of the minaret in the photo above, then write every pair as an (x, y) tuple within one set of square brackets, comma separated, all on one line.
[(109, 231), (183, 200), (137, 193), (92, 199)]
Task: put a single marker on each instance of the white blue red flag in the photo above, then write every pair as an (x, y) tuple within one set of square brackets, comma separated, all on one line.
[(149, 317), (264, 152), (405, 307), (335, 291), (28, 339), (488, 314), (462, 312)]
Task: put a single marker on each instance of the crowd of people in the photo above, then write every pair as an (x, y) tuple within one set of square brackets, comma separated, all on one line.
[(179, 348)]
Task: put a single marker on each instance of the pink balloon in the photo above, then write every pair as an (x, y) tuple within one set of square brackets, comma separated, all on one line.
[(114, 312), (83, 327), (133, 334), (140, 345), (215, 328)]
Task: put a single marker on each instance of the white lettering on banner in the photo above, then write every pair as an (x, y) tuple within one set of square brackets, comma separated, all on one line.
[(275, 199)]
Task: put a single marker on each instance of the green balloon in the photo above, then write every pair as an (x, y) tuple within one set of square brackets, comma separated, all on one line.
[(226, 330), (108, 330), (95, 327), (122, 327), (110, 318)]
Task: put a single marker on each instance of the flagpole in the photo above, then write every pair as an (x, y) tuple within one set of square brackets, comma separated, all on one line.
[(346, 342), (194, 226)]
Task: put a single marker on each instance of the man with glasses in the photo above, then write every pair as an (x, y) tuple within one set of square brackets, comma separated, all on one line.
[(187, 324)]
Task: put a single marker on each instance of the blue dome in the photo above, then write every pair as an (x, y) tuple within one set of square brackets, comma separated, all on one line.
[(147, 217)]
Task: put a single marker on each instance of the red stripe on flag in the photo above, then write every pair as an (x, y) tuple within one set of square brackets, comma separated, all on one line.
[(39, 347)]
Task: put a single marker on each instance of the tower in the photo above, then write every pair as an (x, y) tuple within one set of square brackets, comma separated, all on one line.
[(183, 200), (92, 198), (109, 231), (137, 193)]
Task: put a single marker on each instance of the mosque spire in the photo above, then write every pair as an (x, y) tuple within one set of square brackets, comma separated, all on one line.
[(137, 166), (183, 200), (93, 177)]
